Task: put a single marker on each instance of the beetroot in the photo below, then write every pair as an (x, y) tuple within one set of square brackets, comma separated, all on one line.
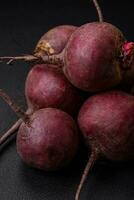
[(92, 57), (54, 41), (47, 139), (107, 123), (47, 86)]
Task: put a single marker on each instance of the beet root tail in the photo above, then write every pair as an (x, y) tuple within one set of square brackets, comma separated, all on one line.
[(11, 59), (93, 157), (10, 132), (13, 129)]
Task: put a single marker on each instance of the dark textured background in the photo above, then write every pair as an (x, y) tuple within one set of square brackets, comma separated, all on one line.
[(21, 25)]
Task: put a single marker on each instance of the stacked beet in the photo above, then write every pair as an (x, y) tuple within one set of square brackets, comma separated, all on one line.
[(72, 62)]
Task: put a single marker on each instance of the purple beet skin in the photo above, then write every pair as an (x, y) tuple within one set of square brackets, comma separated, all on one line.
[(107, 123), (46, 86), (49, 140), (54, 41), (92, 56), (107, 120)]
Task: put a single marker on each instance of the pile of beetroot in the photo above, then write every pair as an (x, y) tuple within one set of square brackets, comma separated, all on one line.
[(71, 63)]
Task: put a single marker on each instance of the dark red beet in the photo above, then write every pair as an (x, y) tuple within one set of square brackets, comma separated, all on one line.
[(54, 41), (92, 56), (47, 86), (47, 139), (107, 123), (108, 118)]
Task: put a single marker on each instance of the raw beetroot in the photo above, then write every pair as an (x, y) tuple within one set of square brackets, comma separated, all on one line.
[(107, 123), (54, 41), (46, 86), (92, 56), (47, 139)]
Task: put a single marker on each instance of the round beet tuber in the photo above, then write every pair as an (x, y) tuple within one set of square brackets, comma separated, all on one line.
[(92, 56), (54, 41), (47, 139), (46, 86), (107, 123)]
